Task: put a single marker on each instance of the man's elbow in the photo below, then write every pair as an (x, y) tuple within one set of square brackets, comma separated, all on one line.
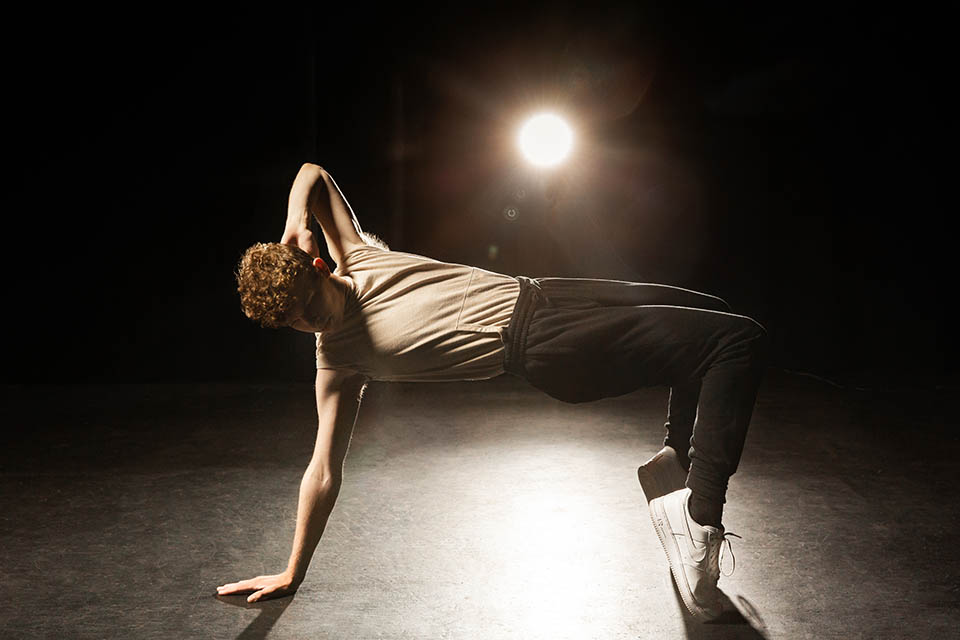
[(309, 167), (323, 475)]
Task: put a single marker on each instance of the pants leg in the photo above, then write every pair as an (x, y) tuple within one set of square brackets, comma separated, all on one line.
[(581, 340), (727, 395), (684, 397), (681, 414)]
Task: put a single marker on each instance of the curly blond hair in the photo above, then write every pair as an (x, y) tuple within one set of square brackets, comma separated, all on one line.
[(266, 277)]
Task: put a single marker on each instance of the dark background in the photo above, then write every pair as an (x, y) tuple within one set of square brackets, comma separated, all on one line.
[(793, 160)]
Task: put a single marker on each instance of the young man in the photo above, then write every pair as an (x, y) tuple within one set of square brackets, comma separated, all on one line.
[(387, 315)]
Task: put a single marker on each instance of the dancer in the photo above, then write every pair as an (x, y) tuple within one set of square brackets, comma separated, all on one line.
[(387, 315)]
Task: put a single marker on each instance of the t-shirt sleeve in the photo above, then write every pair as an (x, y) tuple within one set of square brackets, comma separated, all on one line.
[(356, 253)]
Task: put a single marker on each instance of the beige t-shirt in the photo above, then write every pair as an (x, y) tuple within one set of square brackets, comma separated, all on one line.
[(411, 318)]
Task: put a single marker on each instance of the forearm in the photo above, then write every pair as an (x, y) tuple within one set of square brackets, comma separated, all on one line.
[(305, 196), (318, 493)]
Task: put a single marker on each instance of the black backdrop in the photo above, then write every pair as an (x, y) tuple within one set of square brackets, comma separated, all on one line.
[(793, 160)]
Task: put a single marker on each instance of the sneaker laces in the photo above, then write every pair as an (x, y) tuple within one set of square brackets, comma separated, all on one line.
[(715, 561)]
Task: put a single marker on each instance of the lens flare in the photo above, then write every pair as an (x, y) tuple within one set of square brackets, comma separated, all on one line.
[(545, 140)]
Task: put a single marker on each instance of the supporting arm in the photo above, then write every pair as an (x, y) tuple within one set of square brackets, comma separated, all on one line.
[(338, 400)]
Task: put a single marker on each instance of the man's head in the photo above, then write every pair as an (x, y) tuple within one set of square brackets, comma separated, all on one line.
[(282, 286)]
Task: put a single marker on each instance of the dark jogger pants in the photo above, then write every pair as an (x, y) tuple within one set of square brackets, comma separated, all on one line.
[(581, 339)]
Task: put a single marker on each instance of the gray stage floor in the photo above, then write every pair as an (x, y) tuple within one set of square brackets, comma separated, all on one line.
[(469, 510)]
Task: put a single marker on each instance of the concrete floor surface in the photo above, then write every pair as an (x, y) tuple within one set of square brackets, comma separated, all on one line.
[(468, 510)]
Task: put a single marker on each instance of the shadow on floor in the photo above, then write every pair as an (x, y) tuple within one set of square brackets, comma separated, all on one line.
[(739, 620), (270, 612)]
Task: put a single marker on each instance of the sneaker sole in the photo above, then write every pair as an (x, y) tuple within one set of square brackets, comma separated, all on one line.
[(662, 526)]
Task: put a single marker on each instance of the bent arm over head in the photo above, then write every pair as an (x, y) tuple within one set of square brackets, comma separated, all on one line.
[(338, 401), (315, 194)]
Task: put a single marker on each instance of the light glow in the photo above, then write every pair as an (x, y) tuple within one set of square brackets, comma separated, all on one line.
[(545, 140)]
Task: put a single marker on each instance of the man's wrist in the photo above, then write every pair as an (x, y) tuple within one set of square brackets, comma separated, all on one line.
[(295, 577)]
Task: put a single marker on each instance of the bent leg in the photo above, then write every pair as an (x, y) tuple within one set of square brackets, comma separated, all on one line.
[(587, 293), (581, 355)]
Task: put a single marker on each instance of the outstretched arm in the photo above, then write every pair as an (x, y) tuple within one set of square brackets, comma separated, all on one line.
[(314, 193), (338, 400)]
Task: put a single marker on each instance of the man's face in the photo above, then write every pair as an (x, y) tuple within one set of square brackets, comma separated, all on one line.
[(320, 304)]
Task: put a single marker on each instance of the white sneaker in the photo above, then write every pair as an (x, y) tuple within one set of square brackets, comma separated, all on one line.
[(661, 474), (693, 552)]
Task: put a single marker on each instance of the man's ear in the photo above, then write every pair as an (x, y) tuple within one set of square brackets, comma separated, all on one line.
[(321, 265)]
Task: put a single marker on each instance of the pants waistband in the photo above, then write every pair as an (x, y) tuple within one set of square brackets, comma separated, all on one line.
[(515, 336)]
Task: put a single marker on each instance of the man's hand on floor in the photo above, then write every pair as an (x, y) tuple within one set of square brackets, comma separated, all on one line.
[(262, 587)]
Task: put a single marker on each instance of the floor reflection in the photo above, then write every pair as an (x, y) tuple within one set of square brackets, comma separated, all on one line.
[(554, 574)]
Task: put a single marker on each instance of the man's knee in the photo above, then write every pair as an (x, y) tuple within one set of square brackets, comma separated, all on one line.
[(757, 338), (743, 330)]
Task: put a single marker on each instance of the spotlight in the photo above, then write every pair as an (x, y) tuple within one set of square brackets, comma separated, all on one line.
[(545, 140)]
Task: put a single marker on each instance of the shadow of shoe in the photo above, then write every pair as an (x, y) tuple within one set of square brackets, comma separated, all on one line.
[(740, 620), (748, 613)]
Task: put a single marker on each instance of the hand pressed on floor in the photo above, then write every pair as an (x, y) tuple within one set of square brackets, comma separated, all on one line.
[(262, 587)]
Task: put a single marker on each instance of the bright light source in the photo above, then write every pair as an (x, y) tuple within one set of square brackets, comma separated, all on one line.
[(545, 140)]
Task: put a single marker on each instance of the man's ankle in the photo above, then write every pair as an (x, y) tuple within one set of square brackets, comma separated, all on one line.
[(706, 512)]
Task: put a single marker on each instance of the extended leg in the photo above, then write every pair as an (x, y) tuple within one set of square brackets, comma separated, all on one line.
[(688, 521), (727, 395)]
